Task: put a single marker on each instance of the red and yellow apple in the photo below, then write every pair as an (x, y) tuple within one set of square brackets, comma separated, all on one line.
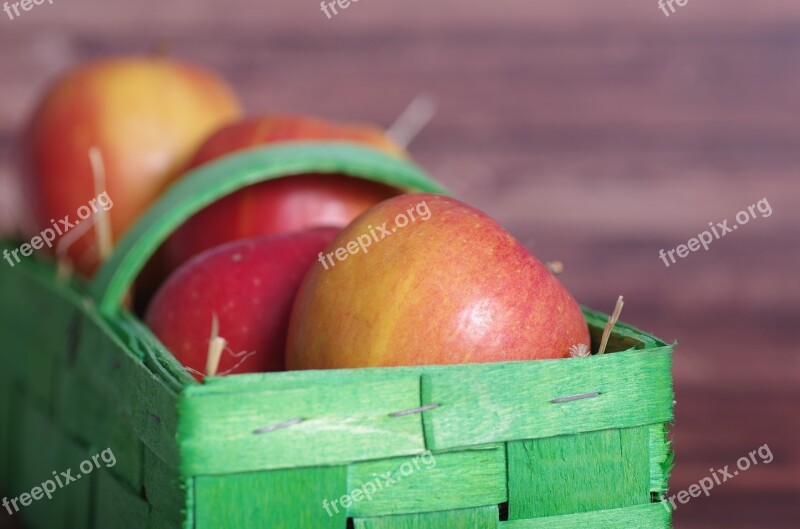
[(146, 116), (249, 286), (286, 204), (450, 286)]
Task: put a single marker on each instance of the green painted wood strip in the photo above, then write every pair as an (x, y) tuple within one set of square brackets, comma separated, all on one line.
[(85, 410), (16, 441), (112, 399), (578, 473), (10, 324), (91, 389), (508, 385), (284, 380), (43, 450), (291, 498), (650, 516), (34, 463), (115, 506), (158, 520), (48, 331), (153, 410), (508, 401), (35, 314), (119, 437), (162, 487), (77, 506), (428, 482), (156, 357), (624, 337), (190, 518), (6, 428), (26, 289), (141, 395), (95, 402), (476, 518), (636, 460), (661, 456), (76, 498), (34, 460), (127, 447), (217, 179), (341, 423), (91, 402)]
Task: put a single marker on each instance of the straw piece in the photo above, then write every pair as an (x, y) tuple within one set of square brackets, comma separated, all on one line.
[(612, 320), (216, 345), (64, 269), (413, 119), (102, 229)]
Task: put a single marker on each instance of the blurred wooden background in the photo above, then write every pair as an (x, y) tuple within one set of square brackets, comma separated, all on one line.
[(597, 132)]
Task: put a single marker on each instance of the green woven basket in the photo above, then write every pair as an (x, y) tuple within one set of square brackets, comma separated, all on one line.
[(575, 443)]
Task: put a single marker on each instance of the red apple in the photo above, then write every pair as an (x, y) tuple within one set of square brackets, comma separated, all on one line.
[(286, 204), (254, 131), (249, 286), (146, 115), (425, 279)]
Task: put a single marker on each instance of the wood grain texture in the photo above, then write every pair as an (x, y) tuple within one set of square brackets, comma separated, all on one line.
[(163, 490), (112, 399), (341, 423), (5, 433), (29, 343), (602, 470), (635, 389), (40, 446), (114, 505), (431, 482), (280, 499), (650, 516), (475, 518), (661, 458)]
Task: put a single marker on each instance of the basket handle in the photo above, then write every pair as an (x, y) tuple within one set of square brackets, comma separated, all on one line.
[(212, 181)]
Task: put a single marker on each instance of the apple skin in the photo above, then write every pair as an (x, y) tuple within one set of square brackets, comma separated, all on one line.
[(250, 286), (455, 288), (146, 115), (285, 204), (254, 131)]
